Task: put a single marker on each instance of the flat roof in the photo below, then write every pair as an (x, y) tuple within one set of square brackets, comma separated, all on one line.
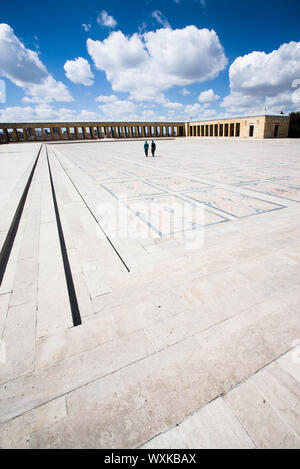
[(239, 117), (93, 123)]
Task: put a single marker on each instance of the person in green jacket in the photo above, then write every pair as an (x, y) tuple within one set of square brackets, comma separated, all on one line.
[(146, 147)]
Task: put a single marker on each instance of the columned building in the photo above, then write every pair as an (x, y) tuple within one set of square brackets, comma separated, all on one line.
[(26, 132), (243, 127)]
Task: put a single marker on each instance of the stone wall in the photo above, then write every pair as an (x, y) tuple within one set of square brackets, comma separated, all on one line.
[(244, 127), (283, 130)]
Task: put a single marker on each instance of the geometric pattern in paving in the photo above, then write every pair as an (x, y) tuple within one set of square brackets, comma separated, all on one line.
[(233, 203), (278, 189), (142, 304), (168, 215)]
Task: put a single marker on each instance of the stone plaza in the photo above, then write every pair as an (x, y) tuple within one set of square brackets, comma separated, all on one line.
[(150, 302)]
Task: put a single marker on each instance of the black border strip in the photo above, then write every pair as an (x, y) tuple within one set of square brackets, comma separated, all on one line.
[(69, 279), (12, 232)]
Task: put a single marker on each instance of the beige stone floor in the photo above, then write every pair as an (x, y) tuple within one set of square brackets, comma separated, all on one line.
[(186, 271)]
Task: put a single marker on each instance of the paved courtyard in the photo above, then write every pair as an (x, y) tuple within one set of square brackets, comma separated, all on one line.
[(150, 302)]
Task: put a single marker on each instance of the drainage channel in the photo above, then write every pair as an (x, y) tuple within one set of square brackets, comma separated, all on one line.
[(12, 232), (68, 274), (95, 218)]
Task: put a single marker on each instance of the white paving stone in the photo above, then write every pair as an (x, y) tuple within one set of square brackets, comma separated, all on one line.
[(198, 345)]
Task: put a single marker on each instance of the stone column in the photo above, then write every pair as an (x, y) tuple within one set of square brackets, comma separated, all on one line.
[(15, 135), (25, 134), (6, 134), (52, 133)]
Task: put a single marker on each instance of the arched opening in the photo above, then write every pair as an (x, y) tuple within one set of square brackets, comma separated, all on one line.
[(251, 130), (2, 136)]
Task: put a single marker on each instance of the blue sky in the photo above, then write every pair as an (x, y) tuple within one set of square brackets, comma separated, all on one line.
[(148, 60)]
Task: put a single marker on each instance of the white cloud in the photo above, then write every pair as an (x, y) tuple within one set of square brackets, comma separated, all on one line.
[(119, 110), (197, 112), (161, 19), (113, 109), (106, 99), (86, 27), (172, 105), (258, 79), (185, 92), (23, 67), (145, 65), (193, 111), (282, 102), (45, 113), (79, 71), (104, 19), (239, 103), (142, 28), (208, 96)]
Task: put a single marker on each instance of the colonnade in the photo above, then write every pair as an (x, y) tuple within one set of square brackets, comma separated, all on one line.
[(244, 127), (230, 129), (88, 131)]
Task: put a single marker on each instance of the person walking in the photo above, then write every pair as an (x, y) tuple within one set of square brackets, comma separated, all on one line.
[(146, 147), (153, 148)]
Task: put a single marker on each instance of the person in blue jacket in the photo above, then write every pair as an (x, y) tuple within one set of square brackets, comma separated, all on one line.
[(146, 147)]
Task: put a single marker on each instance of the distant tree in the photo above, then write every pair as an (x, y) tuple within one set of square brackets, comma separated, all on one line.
[(294, 130)]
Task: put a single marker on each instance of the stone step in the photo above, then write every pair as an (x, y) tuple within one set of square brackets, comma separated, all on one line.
[(54, 311), (19, 325)]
